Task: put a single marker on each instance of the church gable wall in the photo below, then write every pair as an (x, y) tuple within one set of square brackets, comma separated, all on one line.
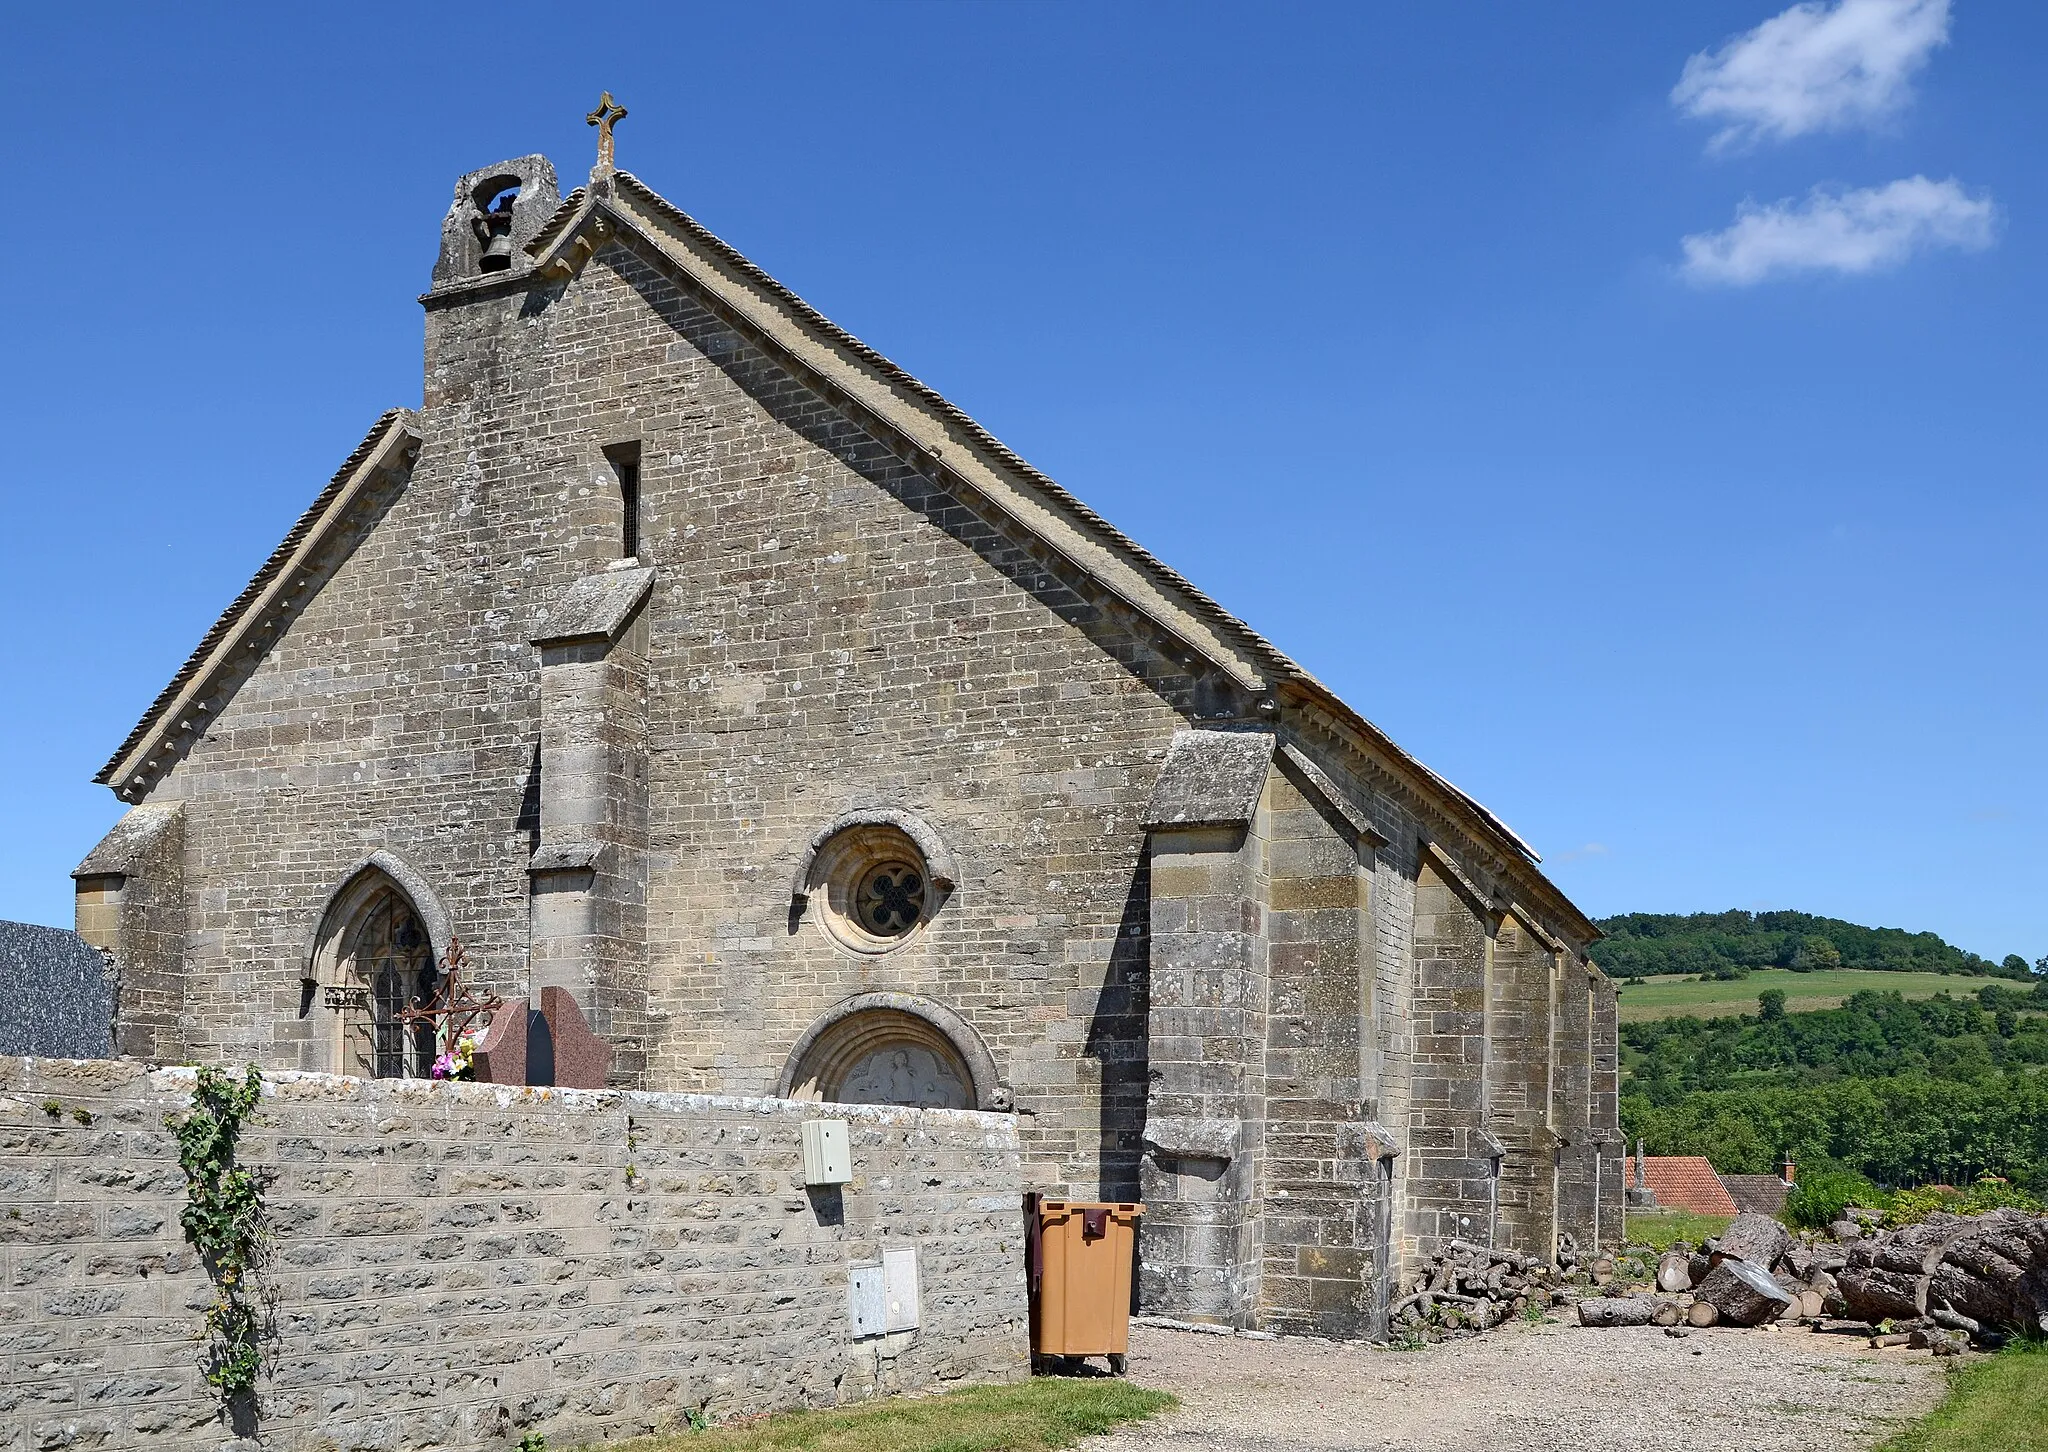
[(830, 631)]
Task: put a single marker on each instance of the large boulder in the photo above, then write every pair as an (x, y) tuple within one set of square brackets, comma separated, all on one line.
[(1991, 1268)]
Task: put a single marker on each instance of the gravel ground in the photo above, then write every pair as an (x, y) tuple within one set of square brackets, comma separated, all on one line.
[(1528, 1388)]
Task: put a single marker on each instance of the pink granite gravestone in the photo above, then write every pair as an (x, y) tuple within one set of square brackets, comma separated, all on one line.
[(582, 1059), (501, 1048)]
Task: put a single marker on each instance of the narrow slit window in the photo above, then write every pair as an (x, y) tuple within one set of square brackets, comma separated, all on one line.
[(625, 462)]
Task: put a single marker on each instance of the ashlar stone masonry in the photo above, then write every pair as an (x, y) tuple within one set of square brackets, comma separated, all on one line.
[(683, 654)]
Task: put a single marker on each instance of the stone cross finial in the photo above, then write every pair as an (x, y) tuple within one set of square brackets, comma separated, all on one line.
[(607, 115)]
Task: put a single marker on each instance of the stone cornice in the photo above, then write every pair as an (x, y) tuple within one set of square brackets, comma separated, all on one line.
[(1481, 898), (182, 712)]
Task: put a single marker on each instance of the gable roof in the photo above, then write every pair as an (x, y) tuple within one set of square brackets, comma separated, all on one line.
[(1686, 1182), (148, 749), (900, 411), (947, 445), (1764, 1194)]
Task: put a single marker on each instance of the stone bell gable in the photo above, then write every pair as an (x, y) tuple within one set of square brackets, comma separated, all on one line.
[(683, 656)]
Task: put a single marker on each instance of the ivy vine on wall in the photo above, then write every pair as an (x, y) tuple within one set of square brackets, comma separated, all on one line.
[(223, 1219)]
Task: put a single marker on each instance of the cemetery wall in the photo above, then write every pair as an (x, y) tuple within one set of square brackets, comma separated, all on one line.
[(457, 1265)]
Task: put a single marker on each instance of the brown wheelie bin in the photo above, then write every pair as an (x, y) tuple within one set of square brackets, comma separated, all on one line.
[(1078, 1256)]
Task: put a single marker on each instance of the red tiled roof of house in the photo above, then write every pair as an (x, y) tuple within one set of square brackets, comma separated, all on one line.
[(1685, 1182)]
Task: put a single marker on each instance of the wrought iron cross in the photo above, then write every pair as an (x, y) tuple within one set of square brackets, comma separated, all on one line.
[(451, 1008), (608, 114)]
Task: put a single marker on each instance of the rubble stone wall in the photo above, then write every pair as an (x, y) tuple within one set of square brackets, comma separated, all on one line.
[(456, 1265)]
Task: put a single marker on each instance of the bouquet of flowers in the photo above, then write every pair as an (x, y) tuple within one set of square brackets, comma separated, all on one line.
[(457, 1061)]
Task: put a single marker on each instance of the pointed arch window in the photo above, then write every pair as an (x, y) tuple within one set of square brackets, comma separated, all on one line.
[(389, 955), (382, 964)]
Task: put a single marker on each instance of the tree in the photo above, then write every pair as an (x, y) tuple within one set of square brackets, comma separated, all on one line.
[(2015, 965), (1770, 1005), (1656, 943), (1817, 953)]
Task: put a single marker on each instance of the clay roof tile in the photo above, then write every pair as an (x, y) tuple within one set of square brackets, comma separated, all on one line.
[(1686, 1182)]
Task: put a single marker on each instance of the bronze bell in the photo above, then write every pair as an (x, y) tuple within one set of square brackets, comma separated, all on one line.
[(494, 230)]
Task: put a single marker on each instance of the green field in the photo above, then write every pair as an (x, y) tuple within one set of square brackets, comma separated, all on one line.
[(1671, 997)]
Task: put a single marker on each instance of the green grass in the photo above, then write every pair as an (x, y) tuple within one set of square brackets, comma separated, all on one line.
[(1660, 1228), (1998, 1405), (1704, 998), (1031, 1416)]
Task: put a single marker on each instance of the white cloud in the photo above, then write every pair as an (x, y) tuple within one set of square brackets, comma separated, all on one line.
[(1816, 67), (1577, 854), (1867, 230)]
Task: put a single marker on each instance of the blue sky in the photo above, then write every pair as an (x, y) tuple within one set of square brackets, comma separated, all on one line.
[(1714, 567)]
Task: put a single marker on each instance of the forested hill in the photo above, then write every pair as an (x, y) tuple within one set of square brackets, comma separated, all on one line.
[(1942, 1090), (1730, 944)]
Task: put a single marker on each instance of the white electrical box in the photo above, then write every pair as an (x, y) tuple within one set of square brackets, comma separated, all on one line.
[(828, 1158), (899, 1287), (866, 1301)]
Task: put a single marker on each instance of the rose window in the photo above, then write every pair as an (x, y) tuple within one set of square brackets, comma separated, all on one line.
[(870, 888), (890, 899)]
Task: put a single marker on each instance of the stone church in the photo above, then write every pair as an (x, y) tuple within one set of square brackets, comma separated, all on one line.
[(682, 654)]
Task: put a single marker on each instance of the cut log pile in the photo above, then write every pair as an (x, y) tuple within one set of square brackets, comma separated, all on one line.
[(1944, 1285), (1982, 1276), (1465, 1288), (1753, 1274), (1941, 1286)]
